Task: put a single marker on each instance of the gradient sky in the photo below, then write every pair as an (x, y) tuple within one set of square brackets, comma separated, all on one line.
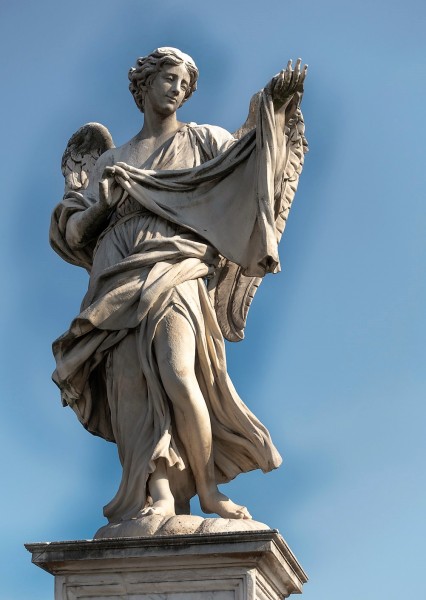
[(334, 357)]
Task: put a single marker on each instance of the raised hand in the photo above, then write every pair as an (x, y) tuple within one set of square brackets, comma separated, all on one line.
[(287, 83)]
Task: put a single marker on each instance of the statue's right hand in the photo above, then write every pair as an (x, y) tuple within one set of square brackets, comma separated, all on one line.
[(110, 191)]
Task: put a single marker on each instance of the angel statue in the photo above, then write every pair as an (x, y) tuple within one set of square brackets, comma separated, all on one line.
[(176, 228)]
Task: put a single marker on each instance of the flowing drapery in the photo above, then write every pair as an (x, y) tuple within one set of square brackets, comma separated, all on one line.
[(200, 196)]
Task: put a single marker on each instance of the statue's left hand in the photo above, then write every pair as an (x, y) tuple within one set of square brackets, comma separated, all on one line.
[(287, 83)]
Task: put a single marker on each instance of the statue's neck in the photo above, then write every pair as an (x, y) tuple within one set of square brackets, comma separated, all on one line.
[(159, 126)]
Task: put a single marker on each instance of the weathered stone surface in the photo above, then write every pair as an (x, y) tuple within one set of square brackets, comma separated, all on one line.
[(256, 565), (178, 525), (143, 364)]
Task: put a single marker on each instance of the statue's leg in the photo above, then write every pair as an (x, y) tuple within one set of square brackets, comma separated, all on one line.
[(163, 503), (133, 427), (175, 348)]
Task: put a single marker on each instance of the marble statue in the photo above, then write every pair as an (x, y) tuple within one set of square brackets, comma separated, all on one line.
[(176, 228)]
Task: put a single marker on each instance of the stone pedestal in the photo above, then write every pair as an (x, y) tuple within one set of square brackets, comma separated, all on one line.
[(250, 565)]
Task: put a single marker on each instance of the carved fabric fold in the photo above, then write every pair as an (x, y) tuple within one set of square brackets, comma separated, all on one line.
[(203, 195)]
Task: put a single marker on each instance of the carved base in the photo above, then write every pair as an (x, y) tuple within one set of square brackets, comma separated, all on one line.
[(247, 565), (178, 525)]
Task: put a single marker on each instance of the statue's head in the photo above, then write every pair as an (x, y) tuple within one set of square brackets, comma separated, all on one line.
[(143, 73)]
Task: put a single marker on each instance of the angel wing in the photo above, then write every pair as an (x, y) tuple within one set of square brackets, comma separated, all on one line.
[(231, 291), (83, 150)]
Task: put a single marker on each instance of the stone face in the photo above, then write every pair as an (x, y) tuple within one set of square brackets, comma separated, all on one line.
[(227, 566), (143, 364)]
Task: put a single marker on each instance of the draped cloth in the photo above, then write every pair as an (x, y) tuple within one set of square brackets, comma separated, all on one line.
[(201, 196)]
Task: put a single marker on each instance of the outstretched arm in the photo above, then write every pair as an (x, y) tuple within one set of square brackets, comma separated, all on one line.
[(286, 89), (250, 122)]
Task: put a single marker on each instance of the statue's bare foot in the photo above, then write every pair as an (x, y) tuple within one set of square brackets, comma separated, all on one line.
[(161, 508), (220, 504)]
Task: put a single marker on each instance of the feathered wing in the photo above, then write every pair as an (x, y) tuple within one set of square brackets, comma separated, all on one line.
[(84, 148), (233, 292)]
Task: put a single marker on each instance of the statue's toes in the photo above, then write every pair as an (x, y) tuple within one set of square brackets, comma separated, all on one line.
[(243, 513)]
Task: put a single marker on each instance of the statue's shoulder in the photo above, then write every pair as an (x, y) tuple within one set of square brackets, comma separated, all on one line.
[(211, 131), (212, 136)]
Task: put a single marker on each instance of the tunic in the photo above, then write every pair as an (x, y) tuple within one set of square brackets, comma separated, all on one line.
[(159, 247)]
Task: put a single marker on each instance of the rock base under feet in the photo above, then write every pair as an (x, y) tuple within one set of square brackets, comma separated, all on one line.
[(178, 525)]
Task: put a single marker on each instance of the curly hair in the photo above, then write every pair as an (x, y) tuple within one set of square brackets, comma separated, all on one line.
[(142, 74)]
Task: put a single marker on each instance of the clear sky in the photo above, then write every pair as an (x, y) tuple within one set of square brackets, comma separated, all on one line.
[(334, 358)]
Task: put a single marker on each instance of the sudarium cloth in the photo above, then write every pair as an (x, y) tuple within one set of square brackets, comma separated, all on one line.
[(201, 196)]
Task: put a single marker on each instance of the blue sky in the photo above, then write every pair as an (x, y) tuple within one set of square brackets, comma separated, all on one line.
[(334, 358)]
